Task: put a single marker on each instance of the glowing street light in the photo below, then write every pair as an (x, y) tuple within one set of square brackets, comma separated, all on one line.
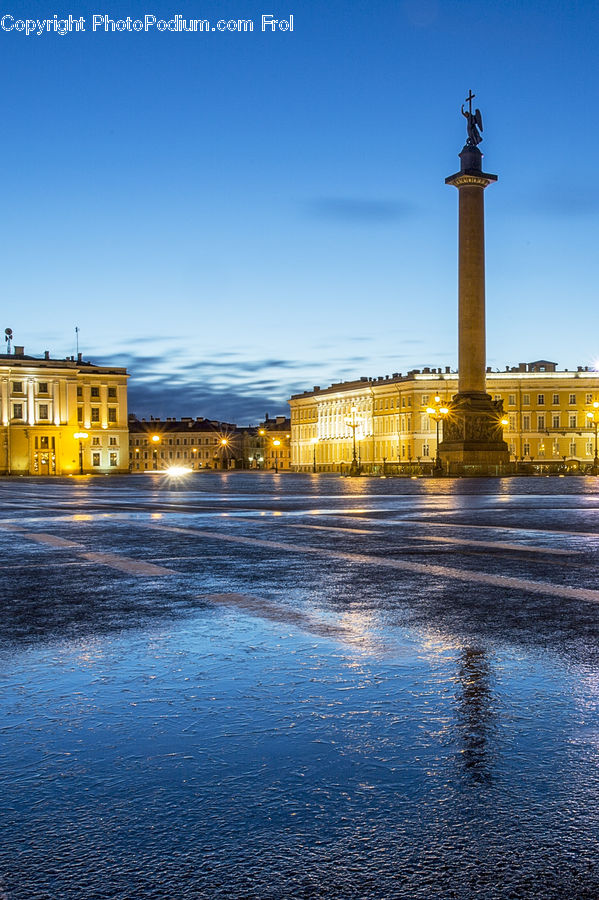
[(276, 443), (593, 418), (438, 413), (314, 442), (353, 423), (81, 436), (155, 440)]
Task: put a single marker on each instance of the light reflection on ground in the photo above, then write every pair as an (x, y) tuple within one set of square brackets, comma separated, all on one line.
[(259, 724)]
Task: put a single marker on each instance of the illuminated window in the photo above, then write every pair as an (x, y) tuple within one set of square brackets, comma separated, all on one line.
[(95, 459), (114, 459), (589, 398), (95, 413), (526, 449)]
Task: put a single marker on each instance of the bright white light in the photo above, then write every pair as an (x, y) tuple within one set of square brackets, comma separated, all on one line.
[(177, 471)]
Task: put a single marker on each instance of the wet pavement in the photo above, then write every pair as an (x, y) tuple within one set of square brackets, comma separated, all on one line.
[(259, 686)]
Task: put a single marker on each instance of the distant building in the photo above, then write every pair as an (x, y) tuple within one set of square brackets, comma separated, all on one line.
[(549, 417), (61, 416), (158, 444), (275, 437)]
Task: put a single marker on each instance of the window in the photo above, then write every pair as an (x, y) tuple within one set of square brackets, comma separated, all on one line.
[(44, 444), (113, 442), (112, 414), (541, 423), (95, 413), (511, 399), (526, 449), (425, 399), (425, 450), (113, 458), (17, 410), (525, 399), (555, 421), (572, 400), (573, 448), (42, 387), (555, 399), (95, 442), (589, 398), (512, 421), (497, 397), (17, 387), (540, 399), (573, 421), (526, 423), (112, 393), (80, 414), (589, 448), (79, 392), (43, 411), (95, 459), (95, 393)]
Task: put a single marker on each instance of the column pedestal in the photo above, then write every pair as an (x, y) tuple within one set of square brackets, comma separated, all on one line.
[(473, 437)]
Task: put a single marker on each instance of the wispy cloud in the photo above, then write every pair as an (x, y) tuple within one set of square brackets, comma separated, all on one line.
[(359, 210)]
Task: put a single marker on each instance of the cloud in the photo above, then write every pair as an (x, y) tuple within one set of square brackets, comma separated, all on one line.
[(359, 210)]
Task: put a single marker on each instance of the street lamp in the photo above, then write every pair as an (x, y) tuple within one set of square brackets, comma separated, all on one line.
[(353, 423), (593, 418), (155, 441), (81, 436), (276, 443), (438, 413), (223, 443), (314, 442)]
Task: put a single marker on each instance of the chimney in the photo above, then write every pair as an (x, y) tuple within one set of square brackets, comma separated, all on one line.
[(78, 357), (19, 351), (46, 354)]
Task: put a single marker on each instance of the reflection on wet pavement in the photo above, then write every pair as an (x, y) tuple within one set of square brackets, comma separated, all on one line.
[(206, 696)]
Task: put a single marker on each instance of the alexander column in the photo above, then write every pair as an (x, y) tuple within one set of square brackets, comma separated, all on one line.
[(472, 433)]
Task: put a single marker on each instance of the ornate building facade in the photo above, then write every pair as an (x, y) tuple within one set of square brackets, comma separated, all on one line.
[(548, 417), (61, 416)]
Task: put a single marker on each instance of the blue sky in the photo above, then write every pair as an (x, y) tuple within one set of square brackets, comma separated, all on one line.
[(239, 216)]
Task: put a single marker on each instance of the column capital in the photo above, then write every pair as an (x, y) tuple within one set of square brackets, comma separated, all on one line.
[(479, 179)]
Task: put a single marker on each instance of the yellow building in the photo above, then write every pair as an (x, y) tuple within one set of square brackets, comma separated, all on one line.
[(549, 417), (61, 416)]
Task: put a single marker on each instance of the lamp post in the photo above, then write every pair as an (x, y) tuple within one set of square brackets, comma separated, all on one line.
[(314, 442), (81, 436), (223, 443), (438, 413), (353, 423), (593, 418), (155, 441), (276, 444)]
